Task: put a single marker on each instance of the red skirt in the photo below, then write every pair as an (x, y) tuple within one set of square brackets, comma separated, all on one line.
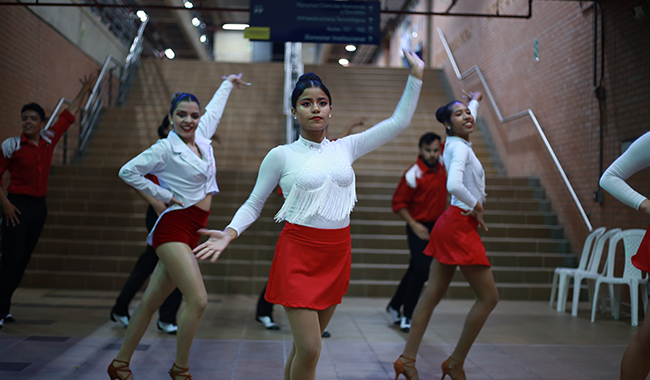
[(455, 241), (180, 226), (641, 259), (311, 267)]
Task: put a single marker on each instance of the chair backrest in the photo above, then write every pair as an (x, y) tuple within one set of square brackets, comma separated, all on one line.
[(589, 246), (594, 260), (631, 242)]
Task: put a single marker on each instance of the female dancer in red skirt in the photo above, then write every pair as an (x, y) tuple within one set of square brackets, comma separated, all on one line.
[(455, 242), (311, 268), (185, 167), (635, 364)]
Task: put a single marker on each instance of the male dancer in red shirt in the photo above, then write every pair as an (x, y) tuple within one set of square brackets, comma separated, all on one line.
[(28, 159), (420, 198)]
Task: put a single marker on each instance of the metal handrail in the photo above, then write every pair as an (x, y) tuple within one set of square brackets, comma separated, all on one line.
[(502, 119), (89, 114)]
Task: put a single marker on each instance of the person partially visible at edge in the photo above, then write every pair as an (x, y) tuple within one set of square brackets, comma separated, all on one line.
[(419, 199), (185, 167), (635, 364), (28, 159), (455, 242), (310, 272)]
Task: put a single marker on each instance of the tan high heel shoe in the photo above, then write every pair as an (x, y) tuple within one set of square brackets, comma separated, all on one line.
[(401, 363), (180, 371), (452, 365), (123, 367)]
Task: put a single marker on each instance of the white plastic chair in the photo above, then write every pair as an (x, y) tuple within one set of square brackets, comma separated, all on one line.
[(632, 276), (562, 274), (593, 270)]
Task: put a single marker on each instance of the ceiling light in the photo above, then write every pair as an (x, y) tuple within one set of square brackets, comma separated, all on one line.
[(189, 5), (170, 53), (350, 48), (196, 21), (203, 38), (142, 15), (235, 26), (343, 62)]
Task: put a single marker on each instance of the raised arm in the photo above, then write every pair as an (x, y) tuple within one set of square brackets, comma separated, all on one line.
[(214, 110), (385, 130), (267, 179), (635, 158)]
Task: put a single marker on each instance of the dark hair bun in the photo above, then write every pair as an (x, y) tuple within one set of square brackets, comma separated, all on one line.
[(176, 96), (310, 76), (440, 114)]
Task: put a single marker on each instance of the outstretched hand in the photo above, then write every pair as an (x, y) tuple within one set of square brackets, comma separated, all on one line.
[(212, 248), (416, 64), (236, 80)]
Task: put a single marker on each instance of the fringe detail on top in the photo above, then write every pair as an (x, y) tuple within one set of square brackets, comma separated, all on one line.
[(330, 201)]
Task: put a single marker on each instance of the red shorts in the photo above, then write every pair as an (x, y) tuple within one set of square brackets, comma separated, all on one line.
[(311, 267), (642, 258), (180, 226), (455, 241)]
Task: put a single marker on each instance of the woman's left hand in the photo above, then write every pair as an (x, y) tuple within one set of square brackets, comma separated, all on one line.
[(216, 244), (477, 213), (236, 80), (416, 64)]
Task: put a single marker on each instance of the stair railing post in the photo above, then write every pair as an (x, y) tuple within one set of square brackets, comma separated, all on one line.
[(293, 69)]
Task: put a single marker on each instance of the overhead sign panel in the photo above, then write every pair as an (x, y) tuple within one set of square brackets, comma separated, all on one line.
[(338, 22)]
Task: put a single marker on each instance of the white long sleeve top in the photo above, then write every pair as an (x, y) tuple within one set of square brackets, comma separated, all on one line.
[(465, 174), (181, 173), (635, 158), (317, 179)]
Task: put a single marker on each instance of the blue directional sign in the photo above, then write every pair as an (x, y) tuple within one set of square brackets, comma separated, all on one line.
[(339, 22)]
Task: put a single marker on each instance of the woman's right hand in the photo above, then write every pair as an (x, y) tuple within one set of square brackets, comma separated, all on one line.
[(217, 243), (175, 201), (416, 64), (236, 80), (477, 213)]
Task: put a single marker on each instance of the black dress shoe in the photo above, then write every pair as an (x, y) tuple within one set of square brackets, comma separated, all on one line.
[(9, 318), (326, 334)]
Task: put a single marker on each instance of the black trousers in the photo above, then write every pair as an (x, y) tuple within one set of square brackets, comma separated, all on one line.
[(18, 243), (264, 307), (416, 275), (141, 271)]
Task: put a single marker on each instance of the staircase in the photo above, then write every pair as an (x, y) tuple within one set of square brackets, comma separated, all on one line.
[(95, 229)]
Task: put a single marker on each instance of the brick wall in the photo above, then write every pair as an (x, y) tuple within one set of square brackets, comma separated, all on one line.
[(558, 88), (37, 64)]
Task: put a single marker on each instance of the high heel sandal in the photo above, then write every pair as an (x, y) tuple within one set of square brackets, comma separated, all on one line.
[(400, 364), (450, 365), (179, 371), (113, 370)]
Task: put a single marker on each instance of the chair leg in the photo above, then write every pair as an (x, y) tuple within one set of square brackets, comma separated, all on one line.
[(616, 305), (644, 297), (562, 292), (554, 289), (634, 302), (577, 281), (594, 304)]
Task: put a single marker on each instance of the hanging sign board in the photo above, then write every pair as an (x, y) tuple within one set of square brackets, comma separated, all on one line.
[(335, 22)]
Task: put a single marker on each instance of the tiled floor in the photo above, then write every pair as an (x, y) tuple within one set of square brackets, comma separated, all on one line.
[(66, 335)]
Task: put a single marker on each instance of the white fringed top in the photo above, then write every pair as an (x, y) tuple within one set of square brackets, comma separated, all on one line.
[(635, 158), (317, 179)]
